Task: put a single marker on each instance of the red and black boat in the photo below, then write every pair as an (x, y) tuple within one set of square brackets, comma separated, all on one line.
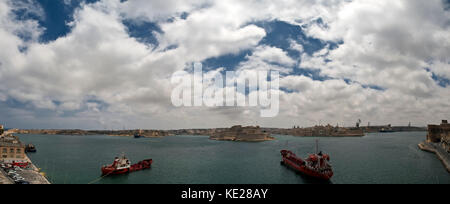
[(316, 165), (123, 165)]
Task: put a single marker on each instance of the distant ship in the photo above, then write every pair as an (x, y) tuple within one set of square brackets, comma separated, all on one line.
[(123, 165), (30, 148), (383, 130), (387, 129), (138, 134), (316, 165)]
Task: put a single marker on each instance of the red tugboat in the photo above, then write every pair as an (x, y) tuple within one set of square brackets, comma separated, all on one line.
[(123, 165), (316, 165)]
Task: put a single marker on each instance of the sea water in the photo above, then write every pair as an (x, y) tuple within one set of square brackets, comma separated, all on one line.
[(375, 158)]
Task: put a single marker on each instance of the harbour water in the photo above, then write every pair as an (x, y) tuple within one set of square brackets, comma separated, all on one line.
[(375, 158)]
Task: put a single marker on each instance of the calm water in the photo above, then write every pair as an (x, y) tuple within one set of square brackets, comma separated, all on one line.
[(375, 158)]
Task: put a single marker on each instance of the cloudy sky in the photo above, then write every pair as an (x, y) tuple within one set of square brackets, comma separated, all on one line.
[(106, 64)]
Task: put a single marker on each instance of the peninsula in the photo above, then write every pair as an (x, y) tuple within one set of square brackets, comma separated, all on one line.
[(242, 134)]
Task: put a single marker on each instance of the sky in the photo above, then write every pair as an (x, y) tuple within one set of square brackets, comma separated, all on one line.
[(107, 64)]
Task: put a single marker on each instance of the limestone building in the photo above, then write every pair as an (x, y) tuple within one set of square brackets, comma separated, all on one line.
[(11, 149), (440, 134)]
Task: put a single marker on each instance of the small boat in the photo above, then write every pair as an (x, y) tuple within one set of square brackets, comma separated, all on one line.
[(138, 134), (30, 148), (386, 130), (123, 165), (316, 165)]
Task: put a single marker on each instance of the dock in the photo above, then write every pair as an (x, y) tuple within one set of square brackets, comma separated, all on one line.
[(13, 152), (33, 175)]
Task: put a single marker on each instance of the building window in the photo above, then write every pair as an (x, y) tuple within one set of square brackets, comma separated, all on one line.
[(11, 150), (4, 156), (18, 151), (4, 150)]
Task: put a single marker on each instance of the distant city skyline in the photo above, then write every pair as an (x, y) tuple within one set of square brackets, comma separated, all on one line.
[(107, 64)]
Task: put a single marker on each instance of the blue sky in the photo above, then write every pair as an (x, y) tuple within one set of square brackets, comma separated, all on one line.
[(96, 64)]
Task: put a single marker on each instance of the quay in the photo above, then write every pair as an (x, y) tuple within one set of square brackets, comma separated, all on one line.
[(4, 179), (13, 159), (443, 155), (438, 142), (33, 174)]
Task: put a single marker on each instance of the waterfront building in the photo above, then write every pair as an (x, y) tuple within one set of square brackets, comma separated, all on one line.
[(11, 149), (437, 132), (440, 134)]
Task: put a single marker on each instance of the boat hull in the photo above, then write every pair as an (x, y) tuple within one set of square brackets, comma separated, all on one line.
[(299, 165), (142, 165), (112, 171), (306, 171)]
